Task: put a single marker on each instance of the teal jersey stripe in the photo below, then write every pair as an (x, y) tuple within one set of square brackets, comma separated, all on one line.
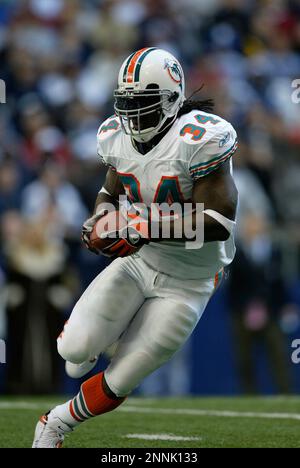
[(196, 166), (83, 405), (208, 171), (204, 172), (126, 68), (139, 63), (220, 275), (77, 411)]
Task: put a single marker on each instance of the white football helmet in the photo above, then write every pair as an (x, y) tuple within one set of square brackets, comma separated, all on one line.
[(151, 89)]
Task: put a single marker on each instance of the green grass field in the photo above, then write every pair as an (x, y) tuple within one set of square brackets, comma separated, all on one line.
[(211, 422)]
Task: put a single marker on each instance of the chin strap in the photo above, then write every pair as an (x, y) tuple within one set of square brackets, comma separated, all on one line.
[(158, 132)]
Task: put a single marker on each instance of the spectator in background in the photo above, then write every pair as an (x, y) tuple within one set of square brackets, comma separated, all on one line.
[(10, 186), (3, 299), (257, 293), (256, 309), (42, 140), (40, 288), (53, 198)]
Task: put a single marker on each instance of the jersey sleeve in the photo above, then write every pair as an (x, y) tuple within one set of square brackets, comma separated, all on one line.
[(105, 139), (216, 151)]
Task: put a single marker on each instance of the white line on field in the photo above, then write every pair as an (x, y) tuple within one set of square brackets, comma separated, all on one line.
[(24, 405), (215, 413), (9, 405), (160, 437), (142, 401), (18, 405)]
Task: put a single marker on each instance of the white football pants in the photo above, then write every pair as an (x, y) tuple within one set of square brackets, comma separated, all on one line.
[(150, 313)]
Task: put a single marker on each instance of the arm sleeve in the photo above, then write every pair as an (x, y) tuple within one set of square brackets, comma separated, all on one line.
[(215, 152)]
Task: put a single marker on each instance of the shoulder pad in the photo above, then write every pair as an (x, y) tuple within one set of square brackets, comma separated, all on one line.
[(197, 128), (110, 127), (107, 134), (207, 140)]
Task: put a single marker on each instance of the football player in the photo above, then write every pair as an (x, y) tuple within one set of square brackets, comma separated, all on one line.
[(159, 148)]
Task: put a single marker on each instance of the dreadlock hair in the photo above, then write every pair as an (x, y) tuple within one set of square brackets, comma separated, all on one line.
[(204, 105)]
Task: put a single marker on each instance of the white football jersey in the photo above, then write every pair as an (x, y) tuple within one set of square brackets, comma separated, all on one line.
[(196, 145)]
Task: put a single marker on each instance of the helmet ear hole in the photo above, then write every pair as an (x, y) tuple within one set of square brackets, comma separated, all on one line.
[(152, 86), (174, 96)]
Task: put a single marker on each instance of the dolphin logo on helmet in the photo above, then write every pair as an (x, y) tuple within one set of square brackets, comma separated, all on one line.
[(174, 70)]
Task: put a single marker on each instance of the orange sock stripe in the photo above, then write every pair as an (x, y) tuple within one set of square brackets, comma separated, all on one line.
[(73, 413), (97, 402), (216, 280), (218, 277)]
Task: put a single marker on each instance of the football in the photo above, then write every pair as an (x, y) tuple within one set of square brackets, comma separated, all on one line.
[(111, 222)]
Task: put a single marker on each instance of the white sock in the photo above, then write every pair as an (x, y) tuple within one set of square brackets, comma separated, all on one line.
[(63, 413)]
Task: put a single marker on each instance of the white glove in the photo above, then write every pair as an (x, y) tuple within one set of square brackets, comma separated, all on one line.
[(88, 227)]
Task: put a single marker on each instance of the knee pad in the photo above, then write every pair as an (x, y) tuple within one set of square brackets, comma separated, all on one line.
[(72, 348)]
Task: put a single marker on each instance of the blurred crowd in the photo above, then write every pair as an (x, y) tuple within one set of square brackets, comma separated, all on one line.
[(59, 60)]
